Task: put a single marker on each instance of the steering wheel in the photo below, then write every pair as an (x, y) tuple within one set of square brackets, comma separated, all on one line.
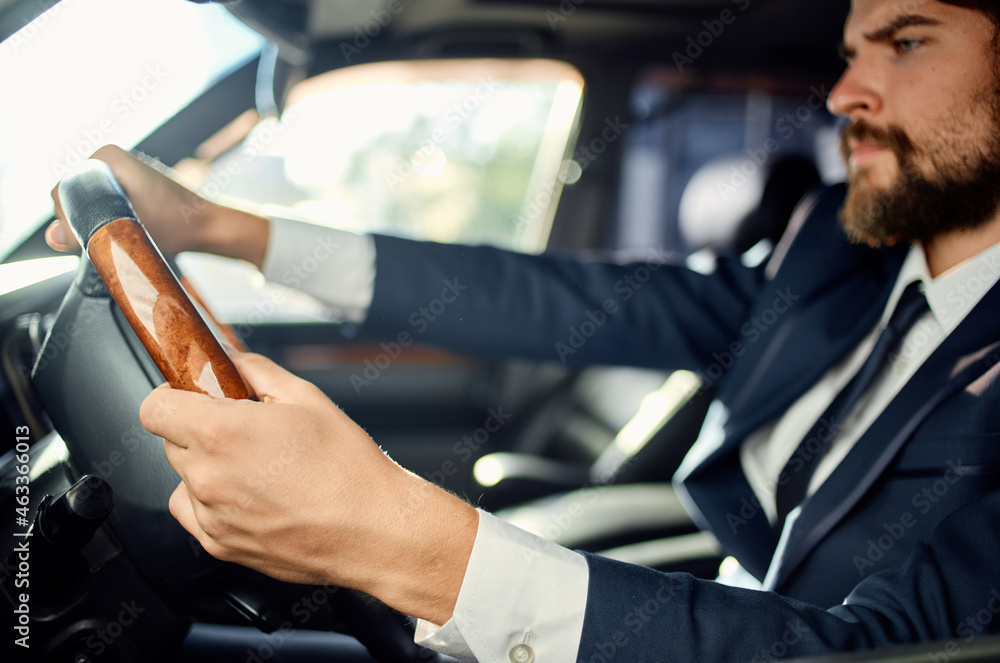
[(125, 325)]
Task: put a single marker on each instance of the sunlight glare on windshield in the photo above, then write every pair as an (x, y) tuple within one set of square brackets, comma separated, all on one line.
[(92, 72)]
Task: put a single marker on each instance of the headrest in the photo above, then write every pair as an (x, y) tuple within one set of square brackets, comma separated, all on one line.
[(732, 202)]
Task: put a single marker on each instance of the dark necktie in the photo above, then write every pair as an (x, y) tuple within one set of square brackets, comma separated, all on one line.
[(793, 482)]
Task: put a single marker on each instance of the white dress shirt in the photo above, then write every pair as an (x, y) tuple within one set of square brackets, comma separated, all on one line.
[(523, 597), (334, 266), (950, 297)]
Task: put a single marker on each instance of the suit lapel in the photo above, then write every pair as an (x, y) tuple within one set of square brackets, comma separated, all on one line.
[(799, 353), (965, 354), (829, 320), (843, 289), (819, 334)]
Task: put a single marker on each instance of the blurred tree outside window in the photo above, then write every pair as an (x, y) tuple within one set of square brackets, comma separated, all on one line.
[(471, 151)]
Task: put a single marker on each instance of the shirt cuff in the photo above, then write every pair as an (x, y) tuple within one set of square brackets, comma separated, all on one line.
[(334, 266), (523, 600)]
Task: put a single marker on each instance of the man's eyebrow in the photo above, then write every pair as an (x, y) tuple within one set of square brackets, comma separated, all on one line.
[(887, 31)]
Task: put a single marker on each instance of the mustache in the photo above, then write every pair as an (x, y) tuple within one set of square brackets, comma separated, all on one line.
[(891, 137)]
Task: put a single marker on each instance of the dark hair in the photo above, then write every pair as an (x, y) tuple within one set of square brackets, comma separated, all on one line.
[(992, 10), (989, 7)]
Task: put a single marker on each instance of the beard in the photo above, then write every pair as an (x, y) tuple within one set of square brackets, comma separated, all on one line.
[(960, 193)]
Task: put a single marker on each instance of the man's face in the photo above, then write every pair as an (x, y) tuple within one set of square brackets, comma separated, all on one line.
[(923, 142)]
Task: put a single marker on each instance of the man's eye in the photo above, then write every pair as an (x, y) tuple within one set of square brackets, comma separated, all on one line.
[(907, 45)]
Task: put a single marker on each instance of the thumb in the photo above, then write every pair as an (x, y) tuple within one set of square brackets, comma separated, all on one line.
[(58, 234), (58, 237)]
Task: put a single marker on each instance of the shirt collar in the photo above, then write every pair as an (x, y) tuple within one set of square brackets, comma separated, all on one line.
[(953, 294)]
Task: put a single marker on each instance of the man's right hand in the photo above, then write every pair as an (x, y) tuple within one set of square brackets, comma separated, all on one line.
[(176, 218)]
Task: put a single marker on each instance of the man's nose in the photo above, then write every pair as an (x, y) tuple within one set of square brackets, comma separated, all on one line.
[(854, 93)]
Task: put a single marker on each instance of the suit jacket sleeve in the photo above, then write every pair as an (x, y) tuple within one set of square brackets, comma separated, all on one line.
[(939, 593), (495, 303)]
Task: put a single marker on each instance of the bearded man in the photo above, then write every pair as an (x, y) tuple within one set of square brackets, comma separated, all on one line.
[(843, 436)]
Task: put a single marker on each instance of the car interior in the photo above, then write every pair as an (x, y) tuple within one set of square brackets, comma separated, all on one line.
[(657, 129)]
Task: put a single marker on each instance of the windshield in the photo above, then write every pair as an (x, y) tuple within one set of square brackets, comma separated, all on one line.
[(92, 72), (471, 151)]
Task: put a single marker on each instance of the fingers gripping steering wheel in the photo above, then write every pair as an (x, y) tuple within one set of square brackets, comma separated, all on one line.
[(160, 313), (91, 387)]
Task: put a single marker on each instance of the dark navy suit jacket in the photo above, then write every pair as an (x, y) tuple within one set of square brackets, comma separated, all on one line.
[(766, 334)]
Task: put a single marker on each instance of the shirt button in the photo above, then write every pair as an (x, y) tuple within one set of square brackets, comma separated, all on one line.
[(521, 654)]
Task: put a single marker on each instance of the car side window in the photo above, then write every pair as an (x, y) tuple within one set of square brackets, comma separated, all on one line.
[(93, 72), (467, 151)]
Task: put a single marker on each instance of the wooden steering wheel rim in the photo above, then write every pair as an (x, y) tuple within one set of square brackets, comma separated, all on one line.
[(161, 313)]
